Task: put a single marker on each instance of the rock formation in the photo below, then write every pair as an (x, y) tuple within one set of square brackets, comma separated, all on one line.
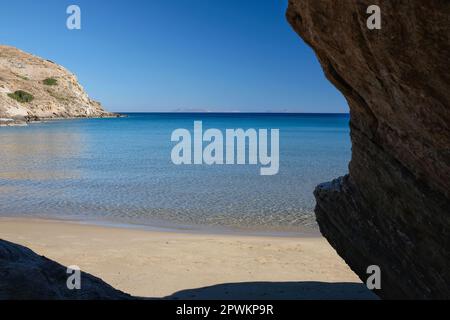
[(393, 208), (26, 276), (32, 88)]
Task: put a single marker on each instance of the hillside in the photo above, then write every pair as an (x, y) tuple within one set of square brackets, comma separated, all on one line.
[(32, 88)]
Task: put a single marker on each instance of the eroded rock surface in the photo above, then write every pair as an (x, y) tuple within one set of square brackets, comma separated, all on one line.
[(55, 91), (24, 275), (393, 209)]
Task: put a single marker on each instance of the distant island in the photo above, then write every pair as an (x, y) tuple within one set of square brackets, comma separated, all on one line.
[(32, 88)]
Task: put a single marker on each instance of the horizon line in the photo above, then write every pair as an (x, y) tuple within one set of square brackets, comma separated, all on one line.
[(231, 112)]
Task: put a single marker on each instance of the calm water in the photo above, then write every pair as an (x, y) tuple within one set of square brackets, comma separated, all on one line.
[(120, 171)]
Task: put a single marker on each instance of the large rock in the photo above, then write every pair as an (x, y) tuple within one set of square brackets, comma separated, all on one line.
[(24, 275), (393, 209), (65, 98)]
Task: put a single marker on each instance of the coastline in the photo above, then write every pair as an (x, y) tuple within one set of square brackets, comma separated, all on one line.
[(157, 264), (174, 227), (18, 122)]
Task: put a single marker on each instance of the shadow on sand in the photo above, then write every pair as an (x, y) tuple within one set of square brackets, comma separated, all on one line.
[(26, 275), (278, 291)]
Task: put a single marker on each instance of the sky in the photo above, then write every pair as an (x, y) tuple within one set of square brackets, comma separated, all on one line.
[(177, 55)]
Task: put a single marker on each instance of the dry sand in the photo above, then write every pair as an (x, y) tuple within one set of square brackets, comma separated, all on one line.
[(158, 264)]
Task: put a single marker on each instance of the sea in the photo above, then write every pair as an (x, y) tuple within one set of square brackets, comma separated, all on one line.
[(119, 171)]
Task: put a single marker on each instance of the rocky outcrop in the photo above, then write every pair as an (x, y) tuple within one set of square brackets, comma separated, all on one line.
[(32, 88), (26, 276), (393, 208)]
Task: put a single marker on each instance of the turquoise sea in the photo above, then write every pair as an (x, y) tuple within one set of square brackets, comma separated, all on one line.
[(119, 171)]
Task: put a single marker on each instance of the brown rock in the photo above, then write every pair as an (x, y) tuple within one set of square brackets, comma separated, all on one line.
[(393, 209), (55, 91)]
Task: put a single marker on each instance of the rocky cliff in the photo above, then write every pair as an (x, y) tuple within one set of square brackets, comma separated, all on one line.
[(393, 208), (34, 88)]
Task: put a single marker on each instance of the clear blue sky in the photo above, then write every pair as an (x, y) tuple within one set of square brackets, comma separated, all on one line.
[(163, 55)]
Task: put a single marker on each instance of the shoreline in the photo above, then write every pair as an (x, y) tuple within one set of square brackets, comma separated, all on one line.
[(165, 264), (173, 227), (20, 122)]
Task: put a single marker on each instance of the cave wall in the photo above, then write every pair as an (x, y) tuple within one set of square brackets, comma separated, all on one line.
[(393, 208)]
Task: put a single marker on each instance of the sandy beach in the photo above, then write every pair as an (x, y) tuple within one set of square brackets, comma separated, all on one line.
[(181, 265)]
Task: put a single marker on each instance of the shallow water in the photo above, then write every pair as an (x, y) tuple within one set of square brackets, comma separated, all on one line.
[(120, 171)]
